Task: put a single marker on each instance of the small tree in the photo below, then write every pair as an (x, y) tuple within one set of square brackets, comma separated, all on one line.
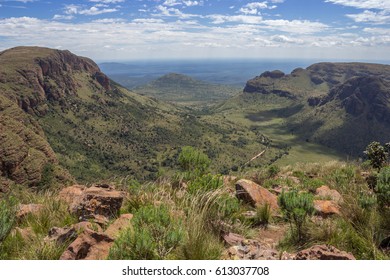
[(296, 208), (191, 159), (376, 154), (383, 187)]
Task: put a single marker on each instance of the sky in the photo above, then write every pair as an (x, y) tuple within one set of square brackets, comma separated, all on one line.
[(209, 29)]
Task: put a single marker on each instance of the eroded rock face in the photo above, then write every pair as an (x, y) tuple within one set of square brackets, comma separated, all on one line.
[(326, 192), (248, 249), (120, 224), (326, 208), (89, 245), (255, 195), (26, 209), (323, 252), (99, 200)]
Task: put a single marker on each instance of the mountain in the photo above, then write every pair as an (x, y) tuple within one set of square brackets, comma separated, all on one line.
[(98, 129), (342, 106), (185, 90)]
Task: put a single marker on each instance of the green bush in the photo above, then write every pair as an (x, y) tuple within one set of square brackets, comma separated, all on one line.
[(193, 160), (154, 235), (205, 183), (296, 208), (376, 154), (263, 215), (7, 216), (383, 187)]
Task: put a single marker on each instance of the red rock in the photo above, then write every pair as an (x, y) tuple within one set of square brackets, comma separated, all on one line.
[(120, 224), (98, 203), (326, 207), (233, 239), (326, 192), (71, 194), (61, 235), (254, 194), (26, 209), (89, 245), (323, 252)]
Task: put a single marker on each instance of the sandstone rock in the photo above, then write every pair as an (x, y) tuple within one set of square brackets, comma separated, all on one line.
[(326, 207), (326, 192), (98, 203), (233, 238), (323, 252), (120, 224), (71, 194), (89, 245), (254, 194), (70, 233), (26, 209), (61, 235)]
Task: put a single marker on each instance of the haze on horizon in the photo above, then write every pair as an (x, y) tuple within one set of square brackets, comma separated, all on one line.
[(178, 29)]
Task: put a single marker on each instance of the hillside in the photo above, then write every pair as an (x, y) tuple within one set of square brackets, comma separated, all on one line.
[(342, 106), (98, 129), (182, 89)]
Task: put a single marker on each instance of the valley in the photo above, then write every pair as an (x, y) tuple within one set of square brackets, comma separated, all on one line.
[(175, 167)]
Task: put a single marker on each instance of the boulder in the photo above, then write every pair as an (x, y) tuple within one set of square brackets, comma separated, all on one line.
[(120, 224), (89, 245), (255, 195), (326, 208), (325, 192), (26, 209), (98, 203), (71, 194), (61, 235), (323, 252), (233, 239), (70, 233)]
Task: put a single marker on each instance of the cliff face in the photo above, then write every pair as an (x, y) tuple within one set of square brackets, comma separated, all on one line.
[(25, 153), (37, 75)]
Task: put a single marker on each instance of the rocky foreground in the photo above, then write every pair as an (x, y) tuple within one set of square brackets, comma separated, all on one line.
[(100, 223)]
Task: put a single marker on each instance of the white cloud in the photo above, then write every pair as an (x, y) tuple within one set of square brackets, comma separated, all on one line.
[(66, 17), (107, 1), (363, 4), (79, 10), (187, 3), (371, 17), (249, 19), (173, 12), (296, 26)]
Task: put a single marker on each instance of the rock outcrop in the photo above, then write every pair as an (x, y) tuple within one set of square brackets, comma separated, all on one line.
[(99, 203), (255, 195), (323, 252), (89, 245)]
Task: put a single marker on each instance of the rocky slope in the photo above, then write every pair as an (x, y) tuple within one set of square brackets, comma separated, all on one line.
[(97, 128), (343, 106)]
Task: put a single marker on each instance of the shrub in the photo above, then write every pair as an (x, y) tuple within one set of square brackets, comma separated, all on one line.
[(7, 216), (263, 215), (383, 187), (153, 236), (376, 154), (191, 159), (205, 183), (273, 170), (296, 208)]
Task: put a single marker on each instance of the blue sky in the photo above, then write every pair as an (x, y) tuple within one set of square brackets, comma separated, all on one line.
[(172, 29)]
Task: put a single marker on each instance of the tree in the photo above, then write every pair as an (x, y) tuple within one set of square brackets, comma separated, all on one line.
[(376, 154), (296, 208), (191, 159)]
